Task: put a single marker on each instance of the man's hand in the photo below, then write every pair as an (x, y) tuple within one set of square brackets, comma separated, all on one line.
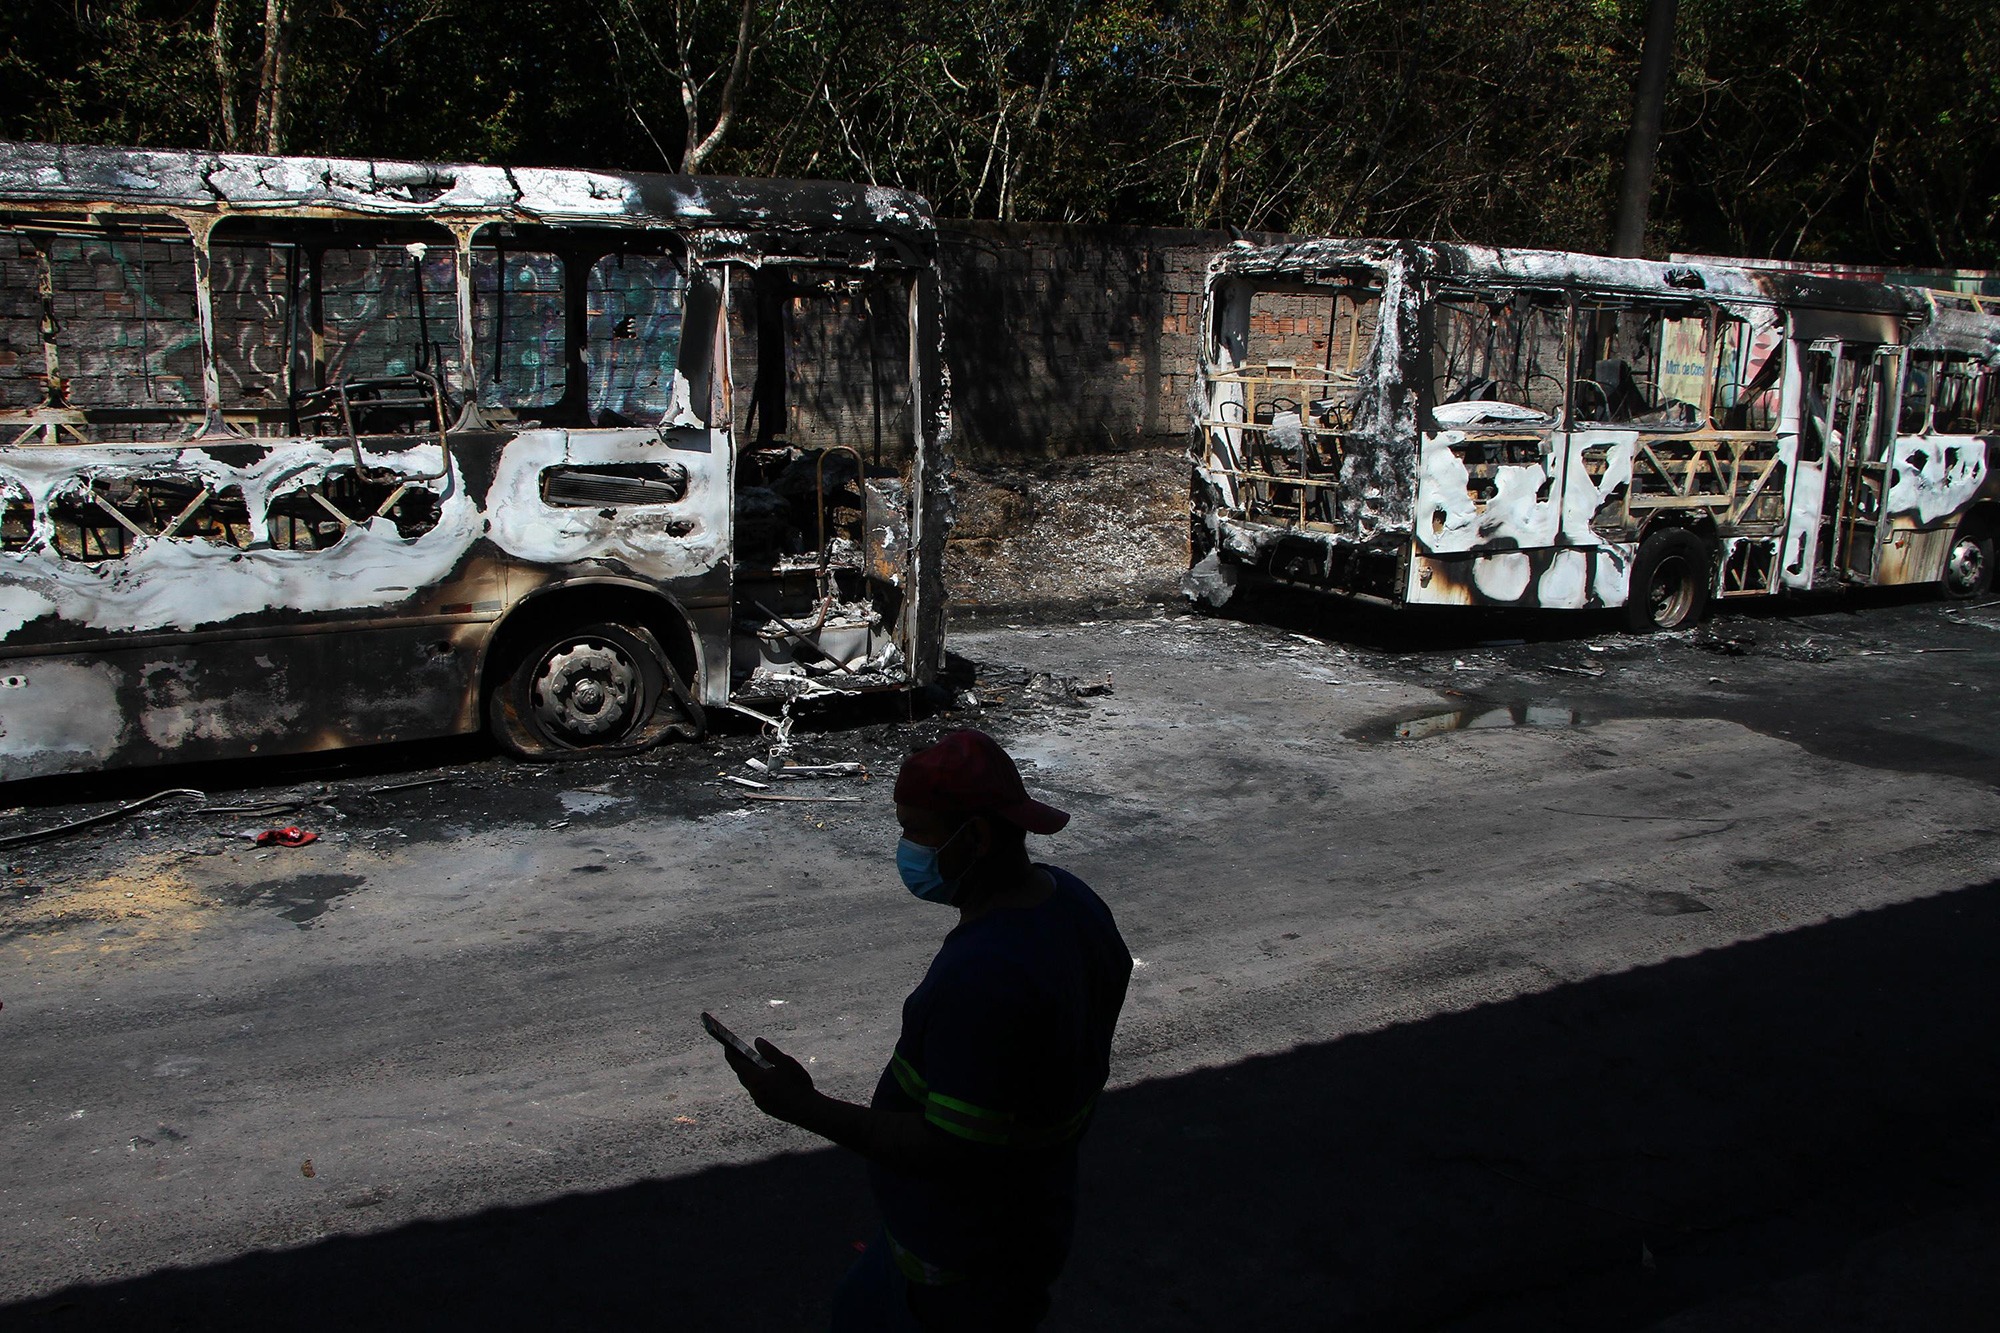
[(784, 1091), (898, 1139)]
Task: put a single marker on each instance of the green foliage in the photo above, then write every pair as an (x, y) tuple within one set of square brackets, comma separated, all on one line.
[(1845, 129), (127, 71), (1848, 129)]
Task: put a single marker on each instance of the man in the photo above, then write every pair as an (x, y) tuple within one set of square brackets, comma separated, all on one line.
[(972, 1134)]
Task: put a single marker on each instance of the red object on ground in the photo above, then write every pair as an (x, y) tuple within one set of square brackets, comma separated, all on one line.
[(289, 836)]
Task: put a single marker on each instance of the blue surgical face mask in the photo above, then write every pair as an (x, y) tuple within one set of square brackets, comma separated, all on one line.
[(918, 865)]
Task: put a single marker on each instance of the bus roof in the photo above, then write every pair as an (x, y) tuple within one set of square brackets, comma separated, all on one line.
[(1816, 305), (137, 181), (1503, 266), (1507, 266), (1957, 324)]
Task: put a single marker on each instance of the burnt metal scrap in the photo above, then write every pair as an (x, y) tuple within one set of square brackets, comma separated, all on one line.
[(1457, 425), (298, 453)]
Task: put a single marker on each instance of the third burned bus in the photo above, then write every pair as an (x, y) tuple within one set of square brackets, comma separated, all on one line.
[(1446, 425)]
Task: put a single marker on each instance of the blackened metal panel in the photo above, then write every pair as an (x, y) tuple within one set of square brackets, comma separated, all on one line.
[(224, 699)]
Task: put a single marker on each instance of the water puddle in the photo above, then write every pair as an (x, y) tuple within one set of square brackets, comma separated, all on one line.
[(301, 899), (588, 802), (1474, 715)]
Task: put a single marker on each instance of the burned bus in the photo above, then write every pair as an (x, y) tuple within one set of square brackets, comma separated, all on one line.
[(1446, 425), (302, 453)]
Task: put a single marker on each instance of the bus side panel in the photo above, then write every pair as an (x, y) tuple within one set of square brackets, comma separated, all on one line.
[(1555, 578), (1906, 556), (930, 513), (1493, 540), (1801, 551), (1511, 505), (219, 699), (1933, 481), (259, 649), (679, 546), (226, 569)]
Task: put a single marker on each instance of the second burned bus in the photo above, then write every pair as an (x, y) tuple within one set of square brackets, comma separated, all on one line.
[(1430, 424), (301, 453)]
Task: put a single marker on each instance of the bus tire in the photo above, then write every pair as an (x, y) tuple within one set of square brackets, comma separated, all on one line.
[(1968, 566), (599, 687), (1670, 581)]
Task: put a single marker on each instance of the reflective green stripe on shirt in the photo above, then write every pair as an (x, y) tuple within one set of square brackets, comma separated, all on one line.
[(970, 1122), (912, 1082), (967, 1121)]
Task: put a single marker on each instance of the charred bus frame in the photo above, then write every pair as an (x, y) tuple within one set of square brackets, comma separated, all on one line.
[(1428, 424), (302, 453)]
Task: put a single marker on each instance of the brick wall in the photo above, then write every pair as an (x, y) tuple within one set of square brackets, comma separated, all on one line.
[(1061, 341), (1072, 354), (20, 324), (1071, 340)]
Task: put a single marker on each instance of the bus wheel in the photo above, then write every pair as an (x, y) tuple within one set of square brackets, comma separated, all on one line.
[(595, 687), (1968, 569), (1669, 581)]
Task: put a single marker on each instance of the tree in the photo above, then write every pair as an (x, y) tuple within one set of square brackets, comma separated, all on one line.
[(1847, 129)]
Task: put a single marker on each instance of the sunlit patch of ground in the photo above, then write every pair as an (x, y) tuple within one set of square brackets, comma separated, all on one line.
[(149, 899)]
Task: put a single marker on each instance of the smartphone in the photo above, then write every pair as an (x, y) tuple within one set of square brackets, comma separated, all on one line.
[(732, 1041)]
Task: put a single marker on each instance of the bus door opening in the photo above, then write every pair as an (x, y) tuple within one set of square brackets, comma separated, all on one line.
[(1856, 426), (826, 444)]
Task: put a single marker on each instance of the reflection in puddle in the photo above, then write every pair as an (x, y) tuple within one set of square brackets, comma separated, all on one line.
[(1473, 717)]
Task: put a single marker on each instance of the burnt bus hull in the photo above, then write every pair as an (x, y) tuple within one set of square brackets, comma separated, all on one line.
[(218, 699), (321, 452)]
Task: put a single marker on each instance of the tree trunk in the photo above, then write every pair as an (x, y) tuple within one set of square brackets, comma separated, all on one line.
[(225, 74), (699, 149), (269, 133), (1635, 192)]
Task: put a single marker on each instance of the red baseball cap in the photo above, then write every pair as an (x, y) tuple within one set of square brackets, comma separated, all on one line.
[(968, 773)]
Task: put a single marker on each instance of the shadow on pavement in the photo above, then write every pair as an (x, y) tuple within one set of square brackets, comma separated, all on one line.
[(1800, 1127)]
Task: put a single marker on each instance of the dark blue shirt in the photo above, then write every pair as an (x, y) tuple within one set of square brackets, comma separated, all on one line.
[(1005, 1046)]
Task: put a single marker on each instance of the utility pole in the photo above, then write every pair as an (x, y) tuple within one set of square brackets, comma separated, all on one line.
[(1642, 145)]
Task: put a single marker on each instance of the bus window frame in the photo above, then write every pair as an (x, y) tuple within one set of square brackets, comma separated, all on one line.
[(1438, 297), (56, 416), (1238, 447), (581, 249), (502, 240), (1655, 311)]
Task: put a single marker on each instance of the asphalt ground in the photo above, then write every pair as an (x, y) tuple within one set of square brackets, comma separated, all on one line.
[(1493, 974)]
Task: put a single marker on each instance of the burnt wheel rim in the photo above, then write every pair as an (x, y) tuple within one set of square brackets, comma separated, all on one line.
[(1670, 595), (1965, 569), (586, 691)]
